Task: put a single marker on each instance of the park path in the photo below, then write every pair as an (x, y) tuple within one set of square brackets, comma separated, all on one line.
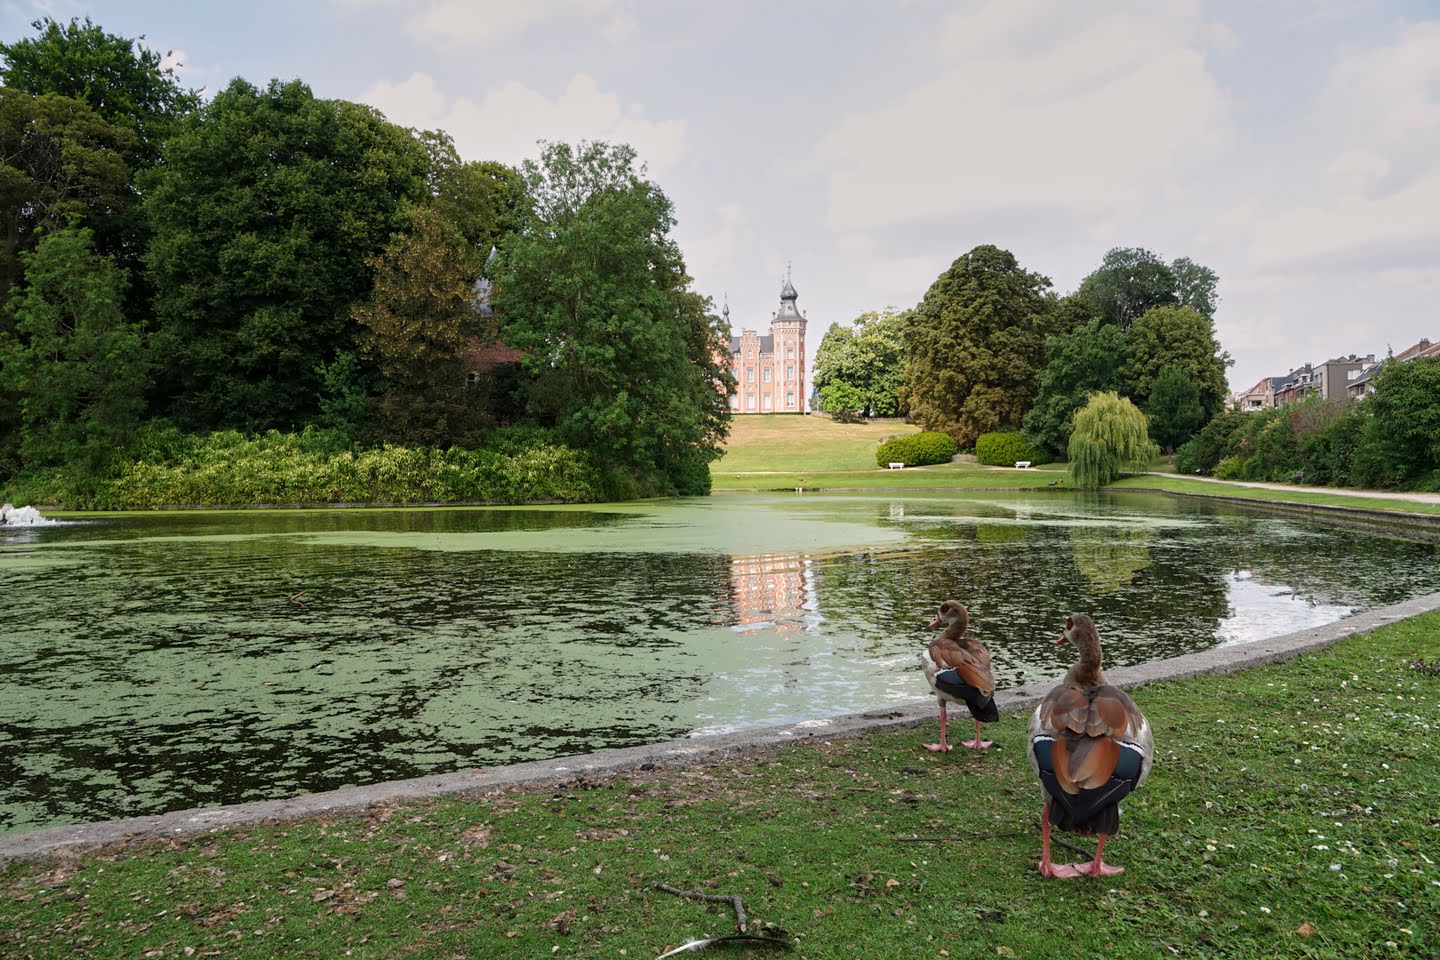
[(1292, 487)]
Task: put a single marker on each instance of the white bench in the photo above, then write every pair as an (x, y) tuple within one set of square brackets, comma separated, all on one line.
[(896, 466), (1022, 464)]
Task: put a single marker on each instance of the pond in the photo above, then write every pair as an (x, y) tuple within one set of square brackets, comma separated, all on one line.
[(152, 662)]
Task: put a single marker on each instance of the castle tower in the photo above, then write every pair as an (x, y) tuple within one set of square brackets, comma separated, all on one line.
[(788, 330), (770, 370)]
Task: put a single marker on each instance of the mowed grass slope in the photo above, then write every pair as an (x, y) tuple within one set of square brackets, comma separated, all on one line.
[(1291, 813), (786, 444), (816, 453)]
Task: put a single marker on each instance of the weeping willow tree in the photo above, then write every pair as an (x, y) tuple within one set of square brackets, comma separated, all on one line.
[(1111, 437)]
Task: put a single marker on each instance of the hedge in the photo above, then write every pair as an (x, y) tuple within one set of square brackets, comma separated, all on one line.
[(1004, 449), (917, 449)]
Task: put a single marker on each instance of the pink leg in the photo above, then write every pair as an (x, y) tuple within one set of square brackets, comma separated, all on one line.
[(942, 746), (1098, 867), (978, 744), (1048, 869)]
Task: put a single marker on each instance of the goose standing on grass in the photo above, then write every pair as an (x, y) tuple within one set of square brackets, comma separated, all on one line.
[(1090, 746), (957, 668)]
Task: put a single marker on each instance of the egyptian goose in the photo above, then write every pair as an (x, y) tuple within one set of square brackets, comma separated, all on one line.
[(1090, 746), (957, 668)]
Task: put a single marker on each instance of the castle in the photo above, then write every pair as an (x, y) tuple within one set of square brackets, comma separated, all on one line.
[(770, 370)]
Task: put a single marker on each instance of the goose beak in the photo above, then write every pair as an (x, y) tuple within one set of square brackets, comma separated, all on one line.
[(934, 624), (1062, 639)]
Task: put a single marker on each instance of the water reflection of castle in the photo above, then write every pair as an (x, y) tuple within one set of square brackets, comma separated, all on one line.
[(772, 588)]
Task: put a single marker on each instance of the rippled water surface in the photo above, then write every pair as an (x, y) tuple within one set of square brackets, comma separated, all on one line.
[(160, 661)]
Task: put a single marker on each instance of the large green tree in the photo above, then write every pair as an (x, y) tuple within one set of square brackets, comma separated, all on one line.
[(975, 344), (482, 199), (1129, 281), (415, 330), (860, 369), (1084, 360), (1132, 280), (623, 356), (72, 358), (1404, 432), (118, 77), (1174, 409), (61, 163), (264, 213), (1179, 337), (1196, 286)]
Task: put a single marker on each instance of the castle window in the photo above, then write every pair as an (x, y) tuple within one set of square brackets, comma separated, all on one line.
[(765, 375), (749, 374), (750, 401), (789, 399), (734, 403), (765, 402), (790, 353), (789, 373)]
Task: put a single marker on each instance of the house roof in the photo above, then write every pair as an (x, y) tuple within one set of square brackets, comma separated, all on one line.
[(767, 344)]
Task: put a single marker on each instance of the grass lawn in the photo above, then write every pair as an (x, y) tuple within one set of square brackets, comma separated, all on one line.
[(1291, 813), (951, 475), (1176, 485), (782, 453), (771, 443)]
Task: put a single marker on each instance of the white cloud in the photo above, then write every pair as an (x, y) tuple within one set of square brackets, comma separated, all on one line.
[(471, 23), (1371, 194), (506, 123), (1087, 118)]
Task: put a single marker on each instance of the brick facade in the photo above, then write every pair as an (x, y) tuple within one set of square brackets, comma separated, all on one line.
[(770, 370)]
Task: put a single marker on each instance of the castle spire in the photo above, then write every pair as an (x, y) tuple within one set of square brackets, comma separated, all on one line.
[(788, 296)]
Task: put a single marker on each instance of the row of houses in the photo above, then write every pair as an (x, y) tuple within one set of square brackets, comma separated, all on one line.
[(1342, 378)]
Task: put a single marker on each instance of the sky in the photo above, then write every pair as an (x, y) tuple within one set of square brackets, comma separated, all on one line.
[(1292, 146)]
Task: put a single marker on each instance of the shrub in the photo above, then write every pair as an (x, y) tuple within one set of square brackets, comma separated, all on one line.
[(1111, 437), (917, 449), (230, 469), (1004, 449), (1204, 451)]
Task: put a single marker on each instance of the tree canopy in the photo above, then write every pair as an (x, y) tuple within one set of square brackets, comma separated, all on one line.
[(264, 213), (72, 357), (1082, 361), (622, 355), (975, 344), (1174, 409), (415, 329), (1110, 438), (1132, 280), (61, 163), (860, 369), (118, 77), (482, 199), (1182, 338)]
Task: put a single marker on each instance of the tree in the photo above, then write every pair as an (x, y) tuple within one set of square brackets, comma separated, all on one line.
[(61, 163), (1196, 286), (484, 200), (975, 344), (264, 213), (1110, 438), (118, 77), (1404, 434), (623, 357), (861, 369), (415, 329), (1086, 360), (74, 361), (1129, 281), (1174, 409), (1179, 337)]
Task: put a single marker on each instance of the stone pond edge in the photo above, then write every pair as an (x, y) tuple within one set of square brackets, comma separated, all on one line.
[(74, 839)]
